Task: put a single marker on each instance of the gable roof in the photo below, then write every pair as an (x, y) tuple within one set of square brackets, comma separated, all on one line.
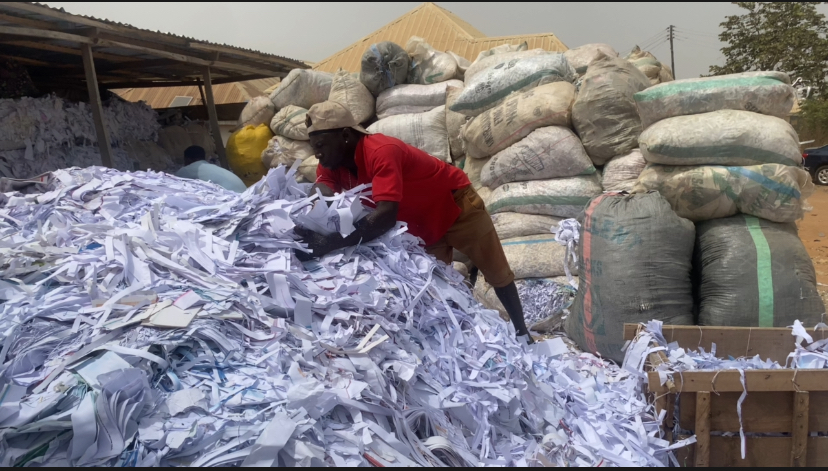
[(442, 29)]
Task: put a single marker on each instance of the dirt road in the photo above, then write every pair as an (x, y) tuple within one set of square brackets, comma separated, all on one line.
[(813, 231)]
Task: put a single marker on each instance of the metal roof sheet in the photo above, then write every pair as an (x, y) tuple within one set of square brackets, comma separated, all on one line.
[(239, 92), (47, 40)]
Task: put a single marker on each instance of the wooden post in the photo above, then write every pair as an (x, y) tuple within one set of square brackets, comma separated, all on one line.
[(799, 429), (97, 109), (203, 98), (214, 125), (702, 429)]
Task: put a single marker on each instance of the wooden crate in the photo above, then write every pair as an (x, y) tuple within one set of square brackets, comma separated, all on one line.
[(790, 402)]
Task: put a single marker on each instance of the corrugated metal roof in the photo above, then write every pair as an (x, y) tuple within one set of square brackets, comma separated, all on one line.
[(187, 38), (442, 29), (239, 92), (49, 42)]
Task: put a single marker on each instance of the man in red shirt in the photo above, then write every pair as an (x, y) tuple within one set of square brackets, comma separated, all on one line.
[(435, 199)]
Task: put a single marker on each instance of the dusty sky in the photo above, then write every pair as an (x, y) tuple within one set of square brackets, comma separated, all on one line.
[(313, 31)]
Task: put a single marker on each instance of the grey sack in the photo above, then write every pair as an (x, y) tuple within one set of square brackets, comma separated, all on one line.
[(751, 272)]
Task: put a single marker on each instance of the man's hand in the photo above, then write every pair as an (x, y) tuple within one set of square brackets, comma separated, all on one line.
[(320, 244), (380, 221)]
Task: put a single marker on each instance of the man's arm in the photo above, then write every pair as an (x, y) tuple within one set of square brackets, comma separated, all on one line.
[(380, 221), (322, 187)]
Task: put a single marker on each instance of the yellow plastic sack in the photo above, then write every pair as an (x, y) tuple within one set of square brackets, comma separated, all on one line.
[(244, 152)]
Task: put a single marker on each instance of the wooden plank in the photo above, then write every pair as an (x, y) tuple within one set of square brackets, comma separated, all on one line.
[(293, 64), (670, 418), (702, 429), (27, 22), (97, 109), (799, 433), (180, 83), (761, 452), (44, 46), (214, 125), (771, 343), (757, 381), (768, 412), (158, 52)]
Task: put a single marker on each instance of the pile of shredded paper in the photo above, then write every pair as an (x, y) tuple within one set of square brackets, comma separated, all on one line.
[(39, 135), (150, 320)]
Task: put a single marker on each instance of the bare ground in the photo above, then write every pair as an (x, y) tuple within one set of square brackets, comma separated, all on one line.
[(813, 230)]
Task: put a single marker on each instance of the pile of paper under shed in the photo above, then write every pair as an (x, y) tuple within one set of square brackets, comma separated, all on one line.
[(150, 320), (39, 135)]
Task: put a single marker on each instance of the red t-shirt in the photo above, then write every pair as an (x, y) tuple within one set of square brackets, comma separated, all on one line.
[(403, 174)]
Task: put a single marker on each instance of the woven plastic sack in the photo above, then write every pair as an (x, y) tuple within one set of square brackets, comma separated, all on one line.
[(425, 131), (767, 93), (725, 137), (622, 172), (455, 123), (634, 266), (511, 225), (408, 99), (474, 169), (308, 169), (497, 55), (520, 114), (428, 65), (538, 256), (290, 123), (244, 152), (384, 65), (604, 114), (348, 91), (773, 192), (754, 273), (490, 87), (303, 88), (551, 152), (283, 151), (561, 197), (259, 110), (580, 57), (502, 49), (647, 63)]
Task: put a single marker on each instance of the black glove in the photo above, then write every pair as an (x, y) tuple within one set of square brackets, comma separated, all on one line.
[(320, 244)]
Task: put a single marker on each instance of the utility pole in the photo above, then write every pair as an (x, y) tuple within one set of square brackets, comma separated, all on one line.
[(672, 54)]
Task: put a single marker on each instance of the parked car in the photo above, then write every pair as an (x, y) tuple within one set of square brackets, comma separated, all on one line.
[(816, 162)]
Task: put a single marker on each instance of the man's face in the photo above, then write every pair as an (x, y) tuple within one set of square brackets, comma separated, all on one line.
[(330, 148)]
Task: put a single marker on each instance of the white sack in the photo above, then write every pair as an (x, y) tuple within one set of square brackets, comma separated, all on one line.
[(425, 131)]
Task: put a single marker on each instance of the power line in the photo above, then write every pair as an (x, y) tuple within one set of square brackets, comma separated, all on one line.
[(654, 42), (661, 35), (698, 43), (697, 33)]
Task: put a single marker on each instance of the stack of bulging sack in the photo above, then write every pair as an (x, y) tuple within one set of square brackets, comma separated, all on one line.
[(720, 151), (275, 126), (580, 57), (414, 110), (416, 114), (647, 63), (519, 146), (605, 114), (291, 142)]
